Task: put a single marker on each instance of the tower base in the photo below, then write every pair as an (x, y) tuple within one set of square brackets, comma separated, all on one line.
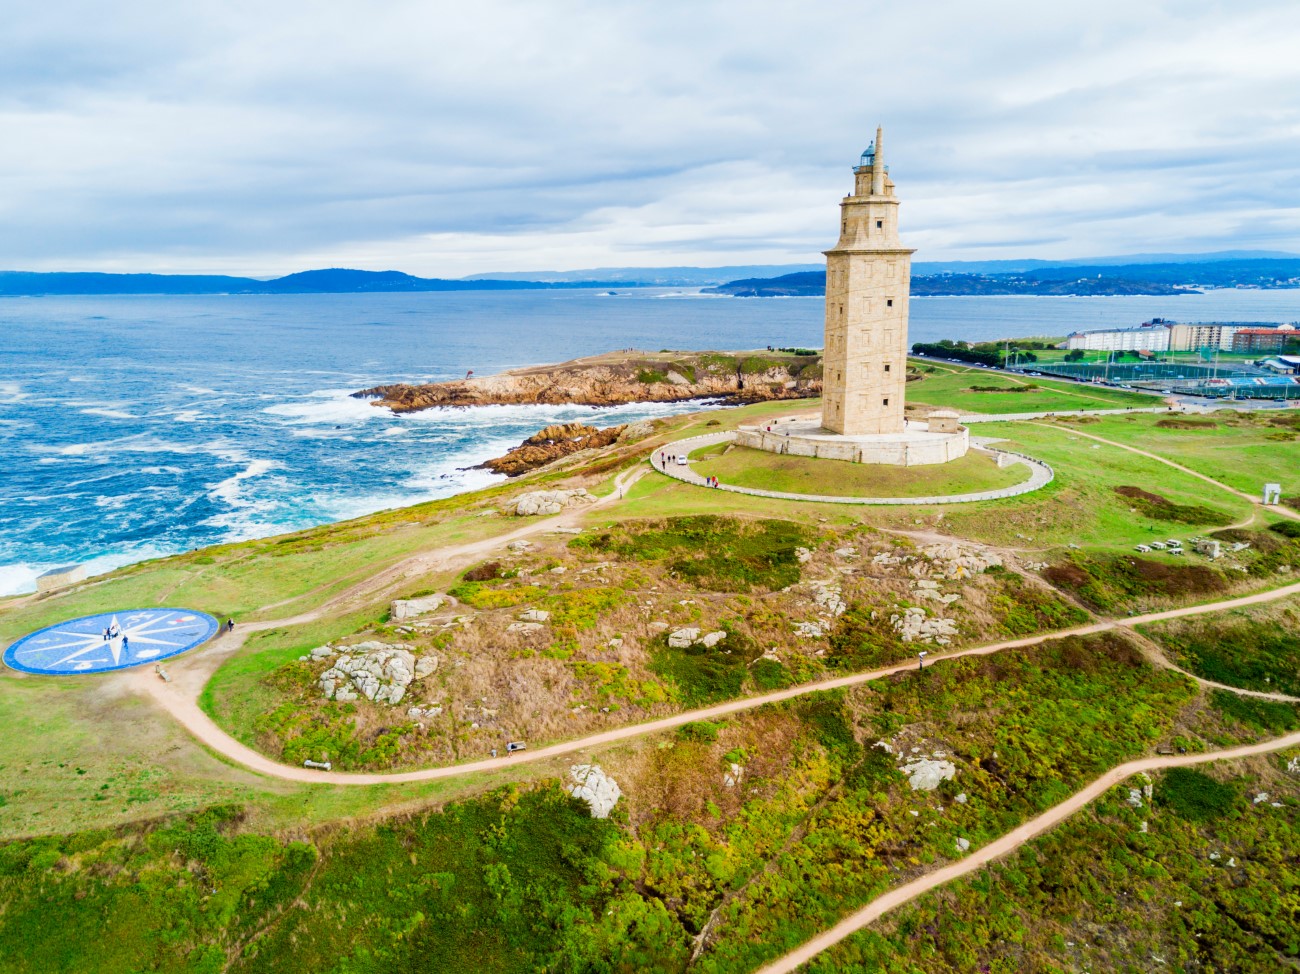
[(915, 446)]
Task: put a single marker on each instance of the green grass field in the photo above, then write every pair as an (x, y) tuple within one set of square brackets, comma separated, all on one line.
[(1241, 449), (949, 386), (744, 467)]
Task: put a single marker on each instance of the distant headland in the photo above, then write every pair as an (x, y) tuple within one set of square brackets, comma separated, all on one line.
[(1134, 274), (618, 378)]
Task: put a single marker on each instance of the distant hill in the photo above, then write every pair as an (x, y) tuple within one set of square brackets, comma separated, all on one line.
[(1076, 279), (330, 281), (1135, 274), (651, 276)]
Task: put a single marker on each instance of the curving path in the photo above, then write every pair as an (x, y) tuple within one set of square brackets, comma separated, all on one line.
[(1004, 845), (180, 699), (1040, 476)]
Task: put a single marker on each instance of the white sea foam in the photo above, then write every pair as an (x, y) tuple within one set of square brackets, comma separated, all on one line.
[(230, 490), (327, 406), (18, 578), (10, 393), (108, 413)]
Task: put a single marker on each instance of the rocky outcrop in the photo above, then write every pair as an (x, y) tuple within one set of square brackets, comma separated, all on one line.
[(925, 774), (410, 608), (549, 502), (552, 444), (373, 670), (597, 789), (616, 379)]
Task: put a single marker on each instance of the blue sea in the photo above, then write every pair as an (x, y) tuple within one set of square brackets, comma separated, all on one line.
[(134, 427)]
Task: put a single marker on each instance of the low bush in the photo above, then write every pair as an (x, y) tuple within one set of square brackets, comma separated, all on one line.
[(724, 554), (1267, 716), (1162, 509), (1195, 796)]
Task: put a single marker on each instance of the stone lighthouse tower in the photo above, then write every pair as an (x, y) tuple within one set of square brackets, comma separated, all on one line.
[(864, 367)]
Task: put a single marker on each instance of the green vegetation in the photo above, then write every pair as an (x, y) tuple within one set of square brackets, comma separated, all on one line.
[(703, 674), (516, 881), (1271, 717), (951, 387), (1115, 888), (744, 467), (717, 553), (1255, 650), (1195, 795), (1162, 509), (1118, 582), (1241, 449)]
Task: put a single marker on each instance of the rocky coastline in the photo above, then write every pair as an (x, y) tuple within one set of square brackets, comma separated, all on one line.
[(551, 444), (619, 378)]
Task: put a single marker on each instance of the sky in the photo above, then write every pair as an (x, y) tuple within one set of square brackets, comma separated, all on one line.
[(446, 139)]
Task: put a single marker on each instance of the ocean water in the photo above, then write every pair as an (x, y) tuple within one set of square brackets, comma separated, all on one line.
[(133, 427)]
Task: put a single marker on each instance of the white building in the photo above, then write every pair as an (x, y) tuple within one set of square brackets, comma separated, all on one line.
[(1147, 338)]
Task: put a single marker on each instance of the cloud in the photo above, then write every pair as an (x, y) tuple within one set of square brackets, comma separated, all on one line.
[(448, 139)]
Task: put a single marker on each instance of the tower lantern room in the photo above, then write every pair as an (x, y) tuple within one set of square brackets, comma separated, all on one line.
[(868, 275)]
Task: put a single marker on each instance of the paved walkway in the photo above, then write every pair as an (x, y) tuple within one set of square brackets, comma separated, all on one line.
[(1040, 476)]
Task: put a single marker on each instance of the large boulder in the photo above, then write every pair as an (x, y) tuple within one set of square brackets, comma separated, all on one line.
[(409, 608), (540, 502), (597, 789)]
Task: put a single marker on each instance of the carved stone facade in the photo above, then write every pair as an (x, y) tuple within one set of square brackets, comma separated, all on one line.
[(868, 276)]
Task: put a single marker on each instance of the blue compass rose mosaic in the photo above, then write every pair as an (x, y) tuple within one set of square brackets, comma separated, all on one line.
[(110, 641)]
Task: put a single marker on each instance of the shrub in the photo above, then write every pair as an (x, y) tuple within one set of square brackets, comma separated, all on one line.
[(720, 553), (1268, 716), (1288, 529), (705, 674), (1162, 509), (1195, 796), (485, 572)]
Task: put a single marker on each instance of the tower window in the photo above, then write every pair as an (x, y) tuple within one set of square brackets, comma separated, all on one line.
[(880, 224), (889, 302), (886, 402), (886, 366)]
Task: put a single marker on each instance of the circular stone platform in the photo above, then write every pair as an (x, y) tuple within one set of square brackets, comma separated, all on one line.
[(1040, 476), (917, 445), (139, 636)]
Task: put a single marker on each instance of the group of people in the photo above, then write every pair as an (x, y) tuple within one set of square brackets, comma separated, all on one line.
[(667, 458), (113, 631)]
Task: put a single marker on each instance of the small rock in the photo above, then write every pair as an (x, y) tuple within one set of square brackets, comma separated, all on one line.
[(963, 844), (535, 615), (520, 545), (961, 798), (712, 639), (1261, 797), (803, 554), (524, 627)]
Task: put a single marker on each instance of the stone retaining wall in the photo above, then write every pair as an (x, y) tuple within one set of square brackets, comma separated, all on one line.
[(893, 452)]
